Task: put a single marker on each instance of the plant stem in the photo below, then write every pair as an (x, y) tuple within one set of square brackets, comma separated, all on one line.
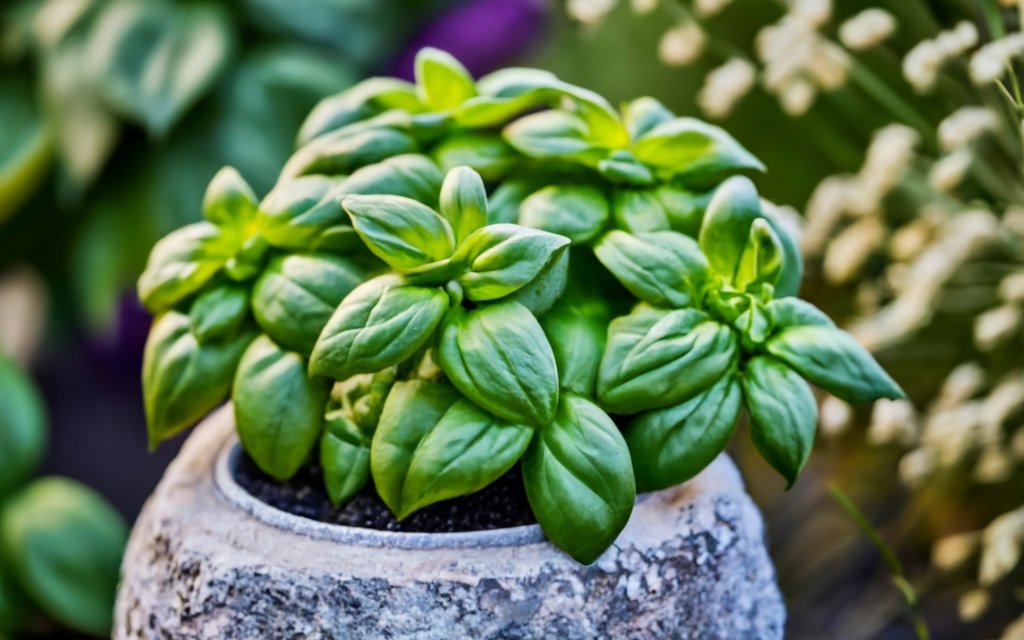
[(899, 577)]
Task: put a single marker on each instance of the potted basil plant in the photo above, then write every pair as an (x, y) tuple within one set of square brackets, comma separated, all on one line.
[(455, 282)]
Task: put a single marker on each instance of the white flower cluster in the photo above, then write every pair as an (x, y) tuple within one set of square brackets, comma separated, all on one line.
[(682, 44), (798, 60), (725, 86), (990, 62), (867, 29), (922, 64)]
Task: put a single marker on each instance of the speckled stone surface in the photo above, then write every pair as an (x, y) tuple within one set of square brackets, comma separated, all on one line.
[(206, 560)]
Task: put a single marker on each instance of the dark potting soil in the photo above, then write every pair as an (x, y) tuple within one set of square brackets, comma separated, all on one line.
[(499, 505)]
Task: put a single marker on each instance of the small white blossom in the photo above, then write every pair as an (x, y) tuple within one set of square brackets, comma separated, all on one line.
[(813, 13), (962, 384), (1001, 546), (708, 8), (996, 326), (989, 62), (995, 464), (681, 44), (1015, 631), (950, 170), (965, 125), (916, 466), (23, 304), (824, 211), (725, 86), (893, 421), (641, 7), (1011, 288), (953, 433), (922, 64), (890, 153), (910, 240), (867, 29), (953, 551), (973, 604), (835, 416), (849, 251), (797, 96), (590, 12)]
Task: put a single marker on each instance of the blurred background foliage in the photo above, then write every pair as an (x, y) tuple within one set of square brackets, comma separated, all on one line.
[(895, 134)]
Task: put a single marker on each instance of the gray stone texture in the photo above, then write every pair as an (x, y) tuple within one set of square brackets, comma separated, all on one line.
[(206, 560)]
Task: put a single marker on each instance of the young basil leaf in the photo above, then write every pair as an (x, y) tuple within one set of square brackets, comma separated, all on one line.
[(410, 175), (486, 152), (792, 273), (218, 313), (362, 397), (380, 324), (22, 427), (695, 150), (644, 114), (683, 209), (504, 203), (298, 293), (183, 379), (579, 479), (658, 358), (229, 200), (484, 111), (544, 291), (832, 359), (64, 545), (551, 134), (638, 211), (345, 150), (400, 231), (663, 268), (296, 212), (783, 414), (464, 202), (498, 356), (502, 258), (672, 445), (344, 457), (466, 450), (181, 263), (761, 260), (411, 410), (754, 325), (442, 81), (357, 103), (726, 229), (577, 328), (622, 168), (279, 410), (578, 212)]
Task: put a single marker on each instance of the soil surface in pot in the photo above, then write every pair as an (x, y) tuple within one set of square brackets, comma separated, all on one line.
[(500, 505)]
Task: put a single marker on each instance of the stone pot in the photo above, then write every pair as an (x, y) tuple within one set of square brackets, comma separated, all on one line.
[(208, 560)]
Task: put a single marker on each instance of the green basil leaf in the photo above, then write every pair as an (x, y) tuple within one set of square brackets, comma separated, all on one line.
[(761, 260), (551, 134), (684, 209), (359, 102), (380, 324), (663, 268), (657, 358), (644, 114), (494, 111), (578, 212), (279, 410), (502, 258), (498, 356), (577, 329), (695, 150), (834, 360), (400, 231), (511, 82), (361, 397), (794, 312), (410, 175), (544, 291), (466, 450), (579, 479), (183, 379), (22, 427), (783, 414), (410, 411), (296, 212), (344, 457), (26, 143), (158, 59), (639, 211), (792, 273), (298, 293), (229, 200), (504, 203), (181, 263), (442, 81), (672, 445), (754, 325), (622, 168), (64, 544), (486, 152), (464, 202), (726, 228), (343, 151), (218, 313)]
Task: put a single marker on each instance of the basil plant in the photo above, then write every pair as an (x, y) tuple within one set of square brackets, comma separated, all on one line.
[(455, 276)]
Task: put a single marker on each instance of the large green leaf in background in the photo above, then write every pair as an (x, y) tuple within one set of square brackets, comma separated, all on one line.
[(22, 426), (24, 144)]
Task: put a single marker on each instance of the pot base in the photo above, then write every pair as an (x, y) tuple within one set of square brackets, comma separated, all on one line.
[(207, 560)]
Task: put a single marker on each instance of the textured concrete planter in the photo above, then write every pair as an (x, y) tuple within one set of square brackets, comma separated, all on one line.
[(207, 560)]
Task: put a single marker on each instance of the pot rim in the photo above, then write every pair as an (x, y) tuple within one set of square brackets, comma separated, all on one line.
[(224, 480)]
